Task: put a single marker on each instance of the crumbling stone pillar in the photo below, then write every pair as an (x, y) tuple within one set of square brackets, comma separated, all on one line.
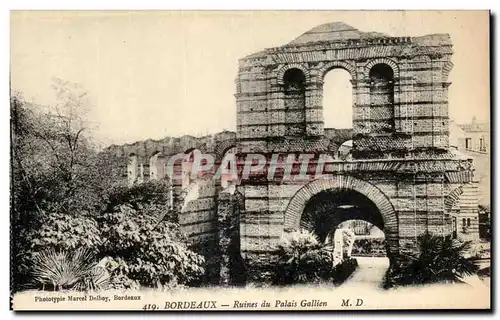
[(228, 215)]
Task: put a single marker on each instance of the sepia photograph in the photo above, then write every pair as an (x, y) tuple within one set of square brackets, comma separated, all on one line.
[(250, 160)]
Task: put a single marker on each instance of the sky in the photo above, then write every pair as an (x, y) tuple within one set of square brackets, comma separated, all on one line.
[(156, 74)]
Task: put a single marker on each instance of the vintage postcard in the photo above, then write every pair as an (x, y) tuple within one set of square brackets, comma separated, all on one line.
[(250, 160)]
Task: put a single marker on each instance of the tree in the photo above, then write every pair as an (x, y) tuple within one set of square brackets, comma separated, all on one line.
[(57, 176), (54, 159)]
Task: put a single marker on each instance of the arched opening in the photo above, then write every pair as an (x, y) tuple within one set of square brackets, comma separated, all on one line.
[(229, 160), (351, 225), (187, 166), (337, 99), (326, 210), (344, 151), (369, 239), (132, 168), (381, 79), (365, 193), (157, 166), (294, 82)]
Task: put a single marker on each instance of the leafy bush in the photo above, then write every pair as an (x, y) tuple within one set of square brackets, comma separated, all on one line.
[(66, 232), (440, 259), (68, 270), (118, 271), (56, 232), (141, 195), (141, 244), (154, 250)]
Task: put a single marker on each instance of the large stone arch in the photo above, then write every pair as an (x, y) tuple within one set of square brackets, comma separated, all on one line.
[(281, 72), (387, 61), (349, 67), (453, 198), (448, 66), (221, 148), (298, 202)]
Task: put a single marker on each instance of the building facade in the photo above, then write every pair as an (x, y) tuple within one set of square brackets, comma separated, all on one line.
[(473, 140)]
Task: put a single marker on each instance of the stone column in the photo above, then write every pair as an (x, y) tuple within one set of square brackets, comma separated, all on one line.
[(403, 109), (314, 109)]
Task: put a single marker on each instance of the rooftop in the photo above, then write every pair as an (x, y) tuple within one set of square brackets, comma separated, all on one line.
[(335, 31), (345, 35), (475, 126)]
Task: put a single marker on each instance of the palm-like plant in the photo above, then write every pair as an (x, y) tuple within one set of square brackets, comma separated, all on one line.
[(444, 259), (440, 259), (298, 242), (63, 270), (302, 259)]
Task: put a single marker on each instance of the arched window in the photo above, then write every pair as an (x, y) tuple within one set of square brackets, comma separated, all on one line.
[(468, 222), (337, 99), (157, 166), (381, 98), (464, 222), (295, 102)]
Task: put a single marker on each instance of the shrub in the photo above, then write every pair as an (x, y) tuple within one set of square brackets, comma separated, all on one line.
[(68, 270), (343, 270), (62, 184), (66, 232), (440, 259), (55, 232), (302, 259), (154, 251), (118, 271), (141, 195)]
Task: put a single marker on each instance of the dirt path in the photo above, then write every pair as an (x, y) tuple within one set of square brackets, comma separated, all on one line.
[(370, 272)]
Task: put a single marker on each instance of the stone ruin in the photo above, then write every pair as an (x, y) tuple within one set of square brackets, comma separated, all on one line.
[(401, 175)]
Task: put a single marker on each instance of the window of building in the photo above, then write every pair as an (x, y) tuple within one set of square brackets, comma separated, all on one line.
[(381, 99), (468, 143), (454, 227), (482, 147), (295, 102), (337, 99), (157, 166)]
